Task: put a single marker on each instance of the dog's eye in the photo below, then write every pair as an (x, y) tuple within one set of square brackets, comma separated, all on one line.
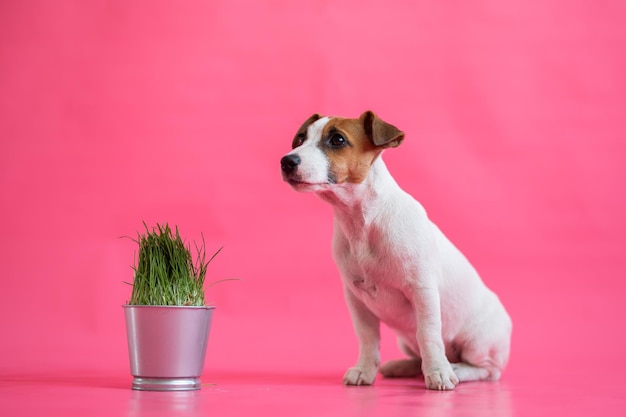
[(299, 139), (336, 141)]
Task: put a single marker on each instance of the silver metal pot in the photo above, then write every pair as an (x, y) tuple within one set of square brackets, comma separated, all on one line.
[(167, 346)]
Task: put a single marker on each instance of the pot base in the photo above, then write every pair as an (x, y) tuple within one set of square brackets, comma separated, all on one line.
[(166, 384)]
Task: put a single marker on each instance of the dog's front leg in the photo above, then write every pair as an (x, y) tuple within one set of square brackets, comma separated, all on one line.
[(438, 372), (367, 328)]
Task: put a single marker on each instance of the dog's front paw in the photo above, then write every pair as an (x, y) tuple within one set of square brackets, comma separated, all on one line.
[(358, 375), (441, 378)]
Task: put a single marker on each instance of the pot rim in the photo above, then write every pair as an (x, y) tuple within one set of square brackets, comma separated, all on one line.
[(168, 307)]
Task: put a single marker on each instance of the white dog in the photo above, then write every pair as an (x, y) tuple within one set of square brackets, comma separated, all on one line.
[(396, 265)]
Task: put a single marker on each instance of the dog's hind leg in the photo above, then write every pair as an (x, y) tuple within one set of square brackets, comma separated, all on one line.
[(466, 372), (403, 368), (482, 361), (484, 355)]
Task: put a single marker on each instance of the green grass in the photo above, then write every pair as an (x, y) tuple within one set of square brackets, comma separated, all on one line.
[(166, 273)]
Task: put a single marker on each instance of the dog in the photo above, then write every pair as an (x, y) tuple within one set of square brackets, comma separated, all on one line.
[(396, 266)]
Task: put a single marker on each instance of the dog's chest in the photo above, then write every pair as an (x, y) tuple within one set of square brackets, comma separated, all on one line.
[(374, 274), (368, 270)]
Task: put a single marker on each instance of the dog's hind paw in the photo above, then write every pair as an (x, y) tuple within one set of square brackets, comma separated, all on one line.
[(359, 376)]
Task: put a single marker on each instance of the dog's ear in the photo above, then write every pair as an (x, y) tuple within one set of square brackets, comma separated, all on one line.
[(301, 133), (381, 133)]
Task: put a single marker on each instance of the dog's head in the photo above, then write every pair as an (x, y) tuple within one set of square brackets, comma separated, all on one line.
[(329, 151)]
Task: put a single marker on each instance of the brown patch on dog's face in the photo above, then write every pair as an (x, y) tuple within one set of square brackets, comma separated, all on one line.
[(301, 134), (349, 151), (352, 145)]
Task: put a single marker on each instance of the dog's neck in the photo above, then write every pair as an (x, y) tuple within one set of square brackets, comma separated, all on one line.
[(356, 205)]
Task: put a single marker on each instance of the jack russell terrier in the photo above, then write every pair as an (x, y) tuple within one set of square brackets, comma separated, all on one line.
[(396, 265)]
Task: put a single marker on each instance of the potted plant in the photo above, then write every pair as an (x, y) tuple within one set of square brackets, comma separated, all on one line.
[(167, 320)]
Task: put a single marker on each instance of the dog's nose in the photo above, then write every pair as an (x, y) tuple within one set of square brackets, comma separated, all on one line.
[(289, 163)]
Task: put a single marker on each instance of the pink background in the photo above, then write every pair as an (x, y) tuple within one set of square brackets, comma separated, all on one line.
[(114, 112)]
